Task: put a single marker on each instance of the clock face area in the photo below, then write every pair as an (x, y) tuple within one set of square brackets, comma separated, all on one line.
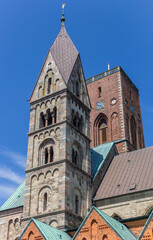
[(99, 105)]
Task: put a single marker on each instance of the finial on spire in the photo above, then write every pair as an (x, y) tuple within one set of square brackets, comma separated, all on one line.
[(63, 18)]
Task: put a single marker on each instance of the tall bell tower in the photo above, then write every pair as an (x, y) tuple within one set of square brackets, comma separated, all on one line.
[(58, 173)]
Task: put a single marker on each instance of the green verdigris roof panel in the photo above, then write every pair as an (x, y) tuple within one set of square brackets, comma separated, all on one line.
[(16, 199), (122, 231), (98, 156), (118, 227), (48, 232)]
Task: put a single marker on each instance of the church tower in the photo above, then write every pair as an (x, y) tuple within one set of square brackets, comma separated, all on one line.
[(116, 112), (58, 173)]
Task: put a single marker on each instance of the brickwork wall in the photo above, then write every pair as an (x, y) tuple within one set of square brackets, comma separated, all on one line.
[(96, 228), (32, 233), (115, 95), (131, 99)]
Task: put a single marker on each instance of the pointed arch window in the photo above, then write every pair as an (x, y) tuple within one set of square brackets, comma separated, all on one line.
[(133, 132), (45, 202), (102, 131), (76, 204)]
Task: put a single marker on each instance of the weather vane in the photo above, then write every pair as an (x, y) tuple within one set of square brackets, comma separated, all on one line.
[(63, 6), (63, 18)]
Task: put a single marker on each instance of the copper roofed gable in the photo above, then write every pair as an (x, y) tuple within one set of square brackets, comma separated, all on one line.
[(64, 53)]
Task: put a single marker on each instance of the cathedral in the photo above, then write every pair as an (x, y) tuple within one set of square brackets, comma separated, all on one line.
[(88, 173)]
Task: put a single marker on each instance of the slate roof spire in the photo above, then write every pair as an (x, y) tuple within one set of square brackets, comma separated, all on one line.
[(64, 52)]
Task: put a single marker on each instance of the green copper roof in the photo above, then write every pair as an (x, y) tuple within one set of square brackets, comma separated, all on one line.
[(98, 156), (145, 226), (122, 231), (48, 232), (16, 199)]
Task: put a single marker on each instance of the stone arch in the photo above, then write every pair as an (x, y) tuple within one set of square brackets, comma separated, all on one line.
[(115, 126), (53, 223), (77, 154), (46, 151), (100, 129), (48, 174), (41, 177), (55, 172), (44, 191), (148, 210), (34, 178)]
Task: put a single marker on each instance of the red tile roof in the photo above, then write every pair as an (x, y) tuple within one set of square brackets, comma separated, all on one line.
[(64, 53), (128, 173)]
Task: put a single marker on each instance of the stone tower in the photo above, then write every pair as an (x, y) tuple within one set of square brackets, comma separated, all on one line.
[(58, 173), (116, 112)]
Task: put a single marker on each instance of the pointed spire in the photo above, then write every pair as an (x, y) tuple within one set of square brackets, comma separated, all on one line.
[(64, 52)]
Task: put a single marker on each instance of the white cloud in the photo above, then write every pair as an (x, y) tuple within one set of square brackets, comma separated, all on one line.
[(6, 191), (17, 158), (8, 174)]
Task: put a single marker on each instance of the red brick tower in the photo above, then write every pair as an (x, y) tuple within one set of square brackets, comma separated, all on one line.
[(116, 113)]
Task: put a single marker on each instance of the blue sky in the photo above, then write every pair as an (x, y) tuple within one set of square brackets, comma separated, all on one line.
[(104, 31)]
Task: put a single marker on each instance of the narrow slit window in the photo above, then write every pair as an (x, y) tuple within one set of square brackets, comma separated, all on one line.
[(99, 92)]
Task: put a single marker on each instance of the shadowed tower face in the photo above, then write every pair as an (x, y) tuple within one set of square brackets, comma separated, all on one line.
[(58, 189)]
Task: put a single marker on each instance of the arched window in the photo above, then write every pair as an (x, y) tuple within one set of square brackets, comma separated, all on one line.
[(49, 117), (55, 114), (40, 92), (49, 85), (127, 125), (116, 217), (76, 204), (45, 202), (133, 132), (105, 237), (46, 151), (31, 236), (139, 137), (74, 157), (94, 230), (77, 89), (41, 120), (51, 154), (102, 131), (46, 155)]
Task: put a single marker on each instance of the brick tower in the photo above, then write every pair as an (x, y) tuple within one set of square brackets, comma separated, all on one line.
[(58, 180), (116, 113)]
